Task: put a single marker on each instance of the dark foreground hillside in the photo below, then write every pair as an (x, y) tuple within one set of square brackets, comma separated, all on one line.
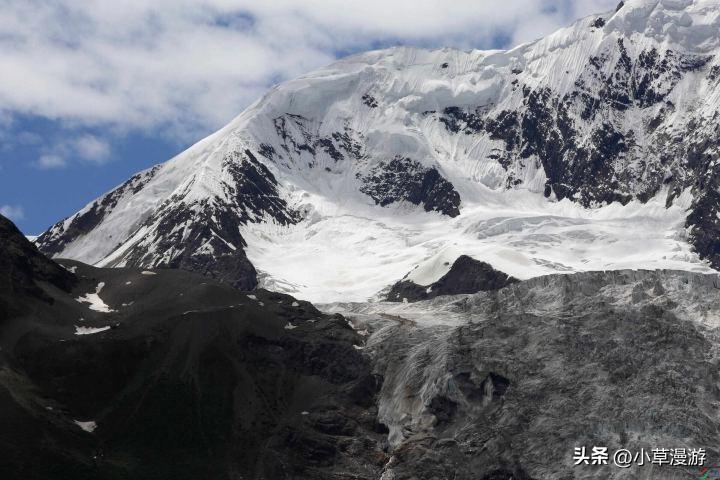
[(182, 378)]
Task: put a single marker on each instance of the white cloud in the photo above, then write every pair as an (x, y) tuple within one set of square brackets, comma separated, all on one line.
[(92, 149), (184, 67), (85, 148), (48, 162), (13, 212)]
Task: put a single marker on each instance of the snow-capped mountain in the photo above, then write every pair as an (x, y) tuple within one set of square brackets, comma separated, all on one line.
[(594, 148)]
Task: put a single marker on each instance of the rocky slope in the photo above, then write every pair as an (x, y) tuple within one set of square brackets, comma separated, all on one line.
[(620, 107), (123, 373), (22, 267), (505, 384), (466, 275)]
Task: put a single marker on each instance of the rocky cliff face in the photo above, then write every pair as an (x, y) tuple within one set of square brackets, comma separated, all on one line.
[(619, 107), (466, 275), (23, 271), (506, 384)]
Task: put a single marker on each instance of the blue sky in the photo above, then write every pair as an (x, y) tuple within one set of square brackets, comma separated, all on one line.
[(92, 93)]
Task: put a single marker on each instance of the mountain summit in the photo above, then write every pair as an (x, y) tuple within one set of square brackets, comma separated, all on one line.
[(594, 148)]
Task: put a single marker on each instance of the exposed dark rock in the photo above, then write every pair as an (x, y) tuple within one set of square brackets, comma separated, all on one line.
[(443, 408), (714, 73), (255, 189), (203, 250), (298, 136), (329, 147), (369, 100), (403, 179), (22, 267), (457, 120), (267, 151), (466, 275), (350, 145), (204, 237), (295, 143), (705, 223)]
